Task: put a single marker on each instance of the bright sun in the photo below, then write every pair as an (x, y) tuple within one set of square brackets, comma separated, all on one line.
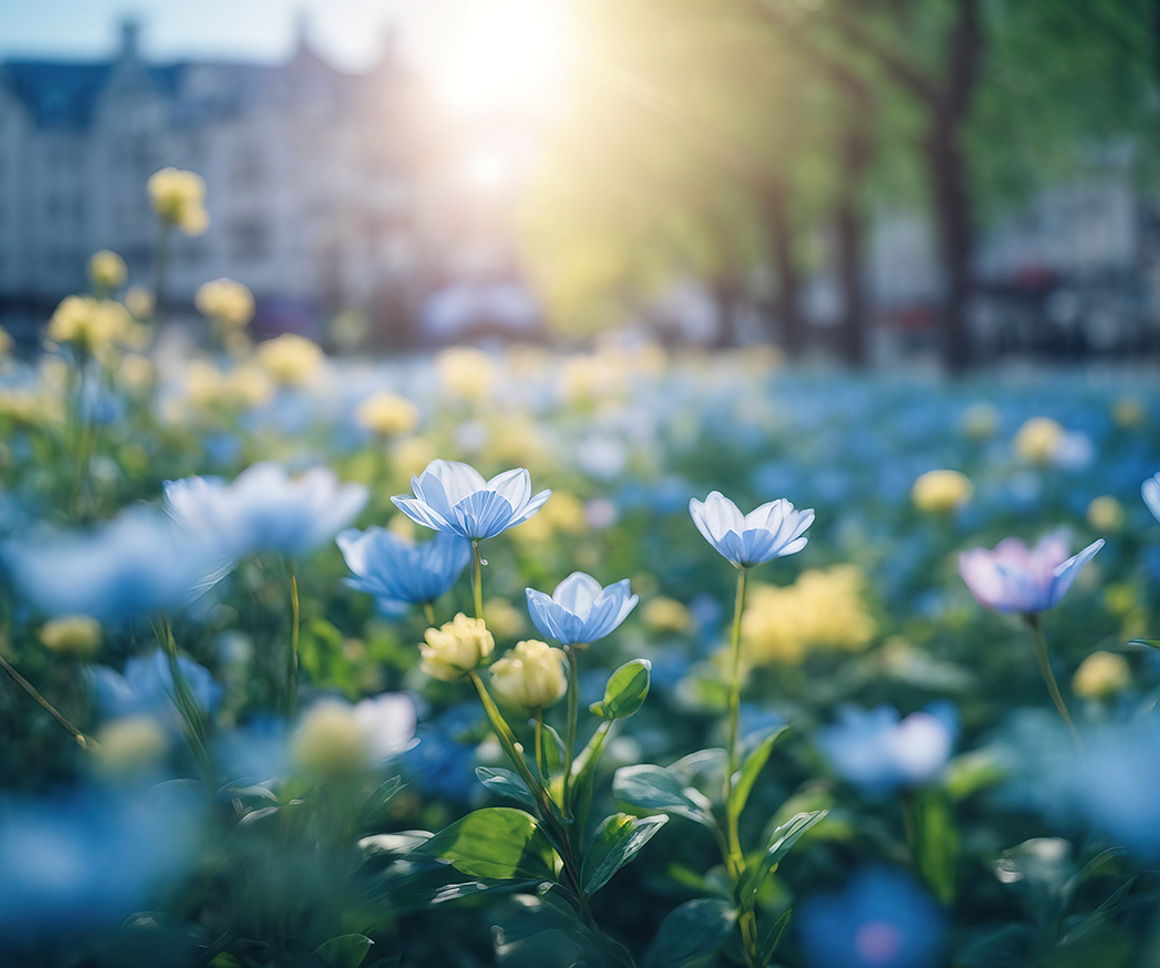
[(504, 55)]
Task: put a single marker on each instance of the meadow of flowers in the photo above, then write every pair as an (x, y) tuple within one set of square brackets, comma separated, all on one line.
[(613, 657)]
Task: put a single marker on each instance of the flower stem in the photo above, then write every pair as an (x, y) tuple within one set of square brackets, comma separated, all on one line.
[(477, 581), (83, 741), (292, 660), (1048, 675), (429, 613), (735, 683), (540, 747), (573, 715), (507, 739)]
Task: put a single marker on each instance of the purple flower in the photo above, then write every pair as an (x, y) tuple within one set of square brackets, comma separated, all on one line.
[(454, 498), (1015, 578), (771, 531), (580, 610)]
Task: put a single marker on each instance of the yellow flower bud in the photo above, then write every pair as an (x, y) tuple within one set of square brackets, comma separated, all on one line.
[(137, 373), (504, 619), (1100, 675), (941, 491), (228, 303), (409, 457), (1128, 412), (130, 745), (465, 372), (1037, 440), (387, 414), (456, 648), (77, 635), (1106, 514), (665, 615), (107, 270), (530, 676), (92, 324), (330, 741), (290, 359), (179, 199), (139, 302)]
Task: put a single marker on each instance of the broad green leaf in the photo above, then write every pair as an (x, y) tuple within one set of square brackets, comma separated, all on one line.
[(500, 842), (694, 931), (345, 951), (937, 843), (626, 691), (780, 844), (505, 783), (747, 776), (655, 788), (772, 936), (1148, 643), (618, 839)]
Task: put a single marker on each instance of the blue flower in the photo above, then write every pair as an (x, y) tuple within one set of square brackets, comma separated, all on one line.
[(1150, 491), (880, 754), (883, 919), (580, 610), (127, 568), (145, 687), (264, 509), (1015, 578), (771, 531), (395, 571), (454, 498)]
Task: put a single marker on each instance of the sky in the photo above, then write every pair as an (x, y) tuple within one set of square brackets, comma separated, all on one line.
[(348, 33)]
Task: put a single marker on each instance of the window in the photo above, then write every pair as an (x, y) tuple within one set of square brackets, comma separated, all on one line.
[(249, 240)]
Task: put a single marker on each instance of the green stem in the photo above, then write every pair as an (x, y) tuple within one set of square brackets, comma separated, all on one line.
[(477, 581), (83, 741), (573, 715), (292, 661), (429, 612), (195, 734), (160, 265), (540, 747), (507, 738), (1048, 675)]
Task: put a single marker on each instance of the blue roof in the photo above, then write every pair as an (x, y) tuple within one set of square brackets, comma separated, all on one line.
[(58, 95)]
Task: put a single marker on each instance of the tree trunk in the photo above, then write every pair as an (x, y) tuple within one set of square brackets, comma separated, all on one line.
[(786, 322), (850, 235), (726, 302)]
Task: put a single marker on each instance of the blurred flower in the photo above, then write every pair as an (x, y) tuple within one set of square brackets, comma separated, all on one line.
[(390, 567), (941, 491), (136, 564), (137, 373), (241, 388), (1106, 514), (387, 414), (87, 323), (465, 372), (456, 648), (78, 635), (179, 199), (410, 456), (130, 745), (264, 509), (139, 302), (5, 343), (771, 531), (879, 754), (1015, 578), (530, 676), (823, 608), (453, 497), (1101, 675), (290, 360), (145, 687), (1150, 491), (107, 270), (1036, 441), (980, 421), (504, 619), (662, 615), (580, 610), (227, 303), (882, 919), (1128, 412), (336, 739)]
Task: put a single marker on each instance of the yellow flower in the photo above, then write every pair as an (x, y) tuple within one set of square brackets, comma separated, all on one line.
[(1100, 675), (179, 199), (503, 618), (107, 270), (980, 421), (941, 491), (665, 615), (1128, 412), (137, 373), (88, 323), (1106, 514), (5, 343), (530, 676), (330, 741), (78, 635), (387, 414), (411, 456), (290, 359), (227, 303), (129, 745), (456, 648), (139, 302), (1037, 440), (465, 372), (241, 388)]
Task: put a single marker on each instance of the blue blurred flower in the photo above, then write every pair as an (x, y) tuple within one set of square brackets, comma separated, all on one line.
[(771, 531), (1150, 491), (454, 498), (127, 568), (879, 754), (882, 919), (145, 687), (264, 509), (1015, 578), (580, 610), (396, 571)]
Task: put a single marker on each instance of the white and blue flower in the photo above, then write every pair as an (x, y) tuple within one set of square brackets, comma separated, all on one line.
[(395, 571), (580, 610), (1015, 578), (771, 531)]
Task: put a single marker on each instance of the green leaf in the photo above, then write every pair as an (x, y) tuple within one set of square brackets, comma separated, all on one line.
[(937, 843), (626, 691), (505, 783), (772, 937), (1147, 643), (692, 932), (655, 788), (345, 951), (618, 839), (500, 842), (780, 844), (375, 809), (754, 763)]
